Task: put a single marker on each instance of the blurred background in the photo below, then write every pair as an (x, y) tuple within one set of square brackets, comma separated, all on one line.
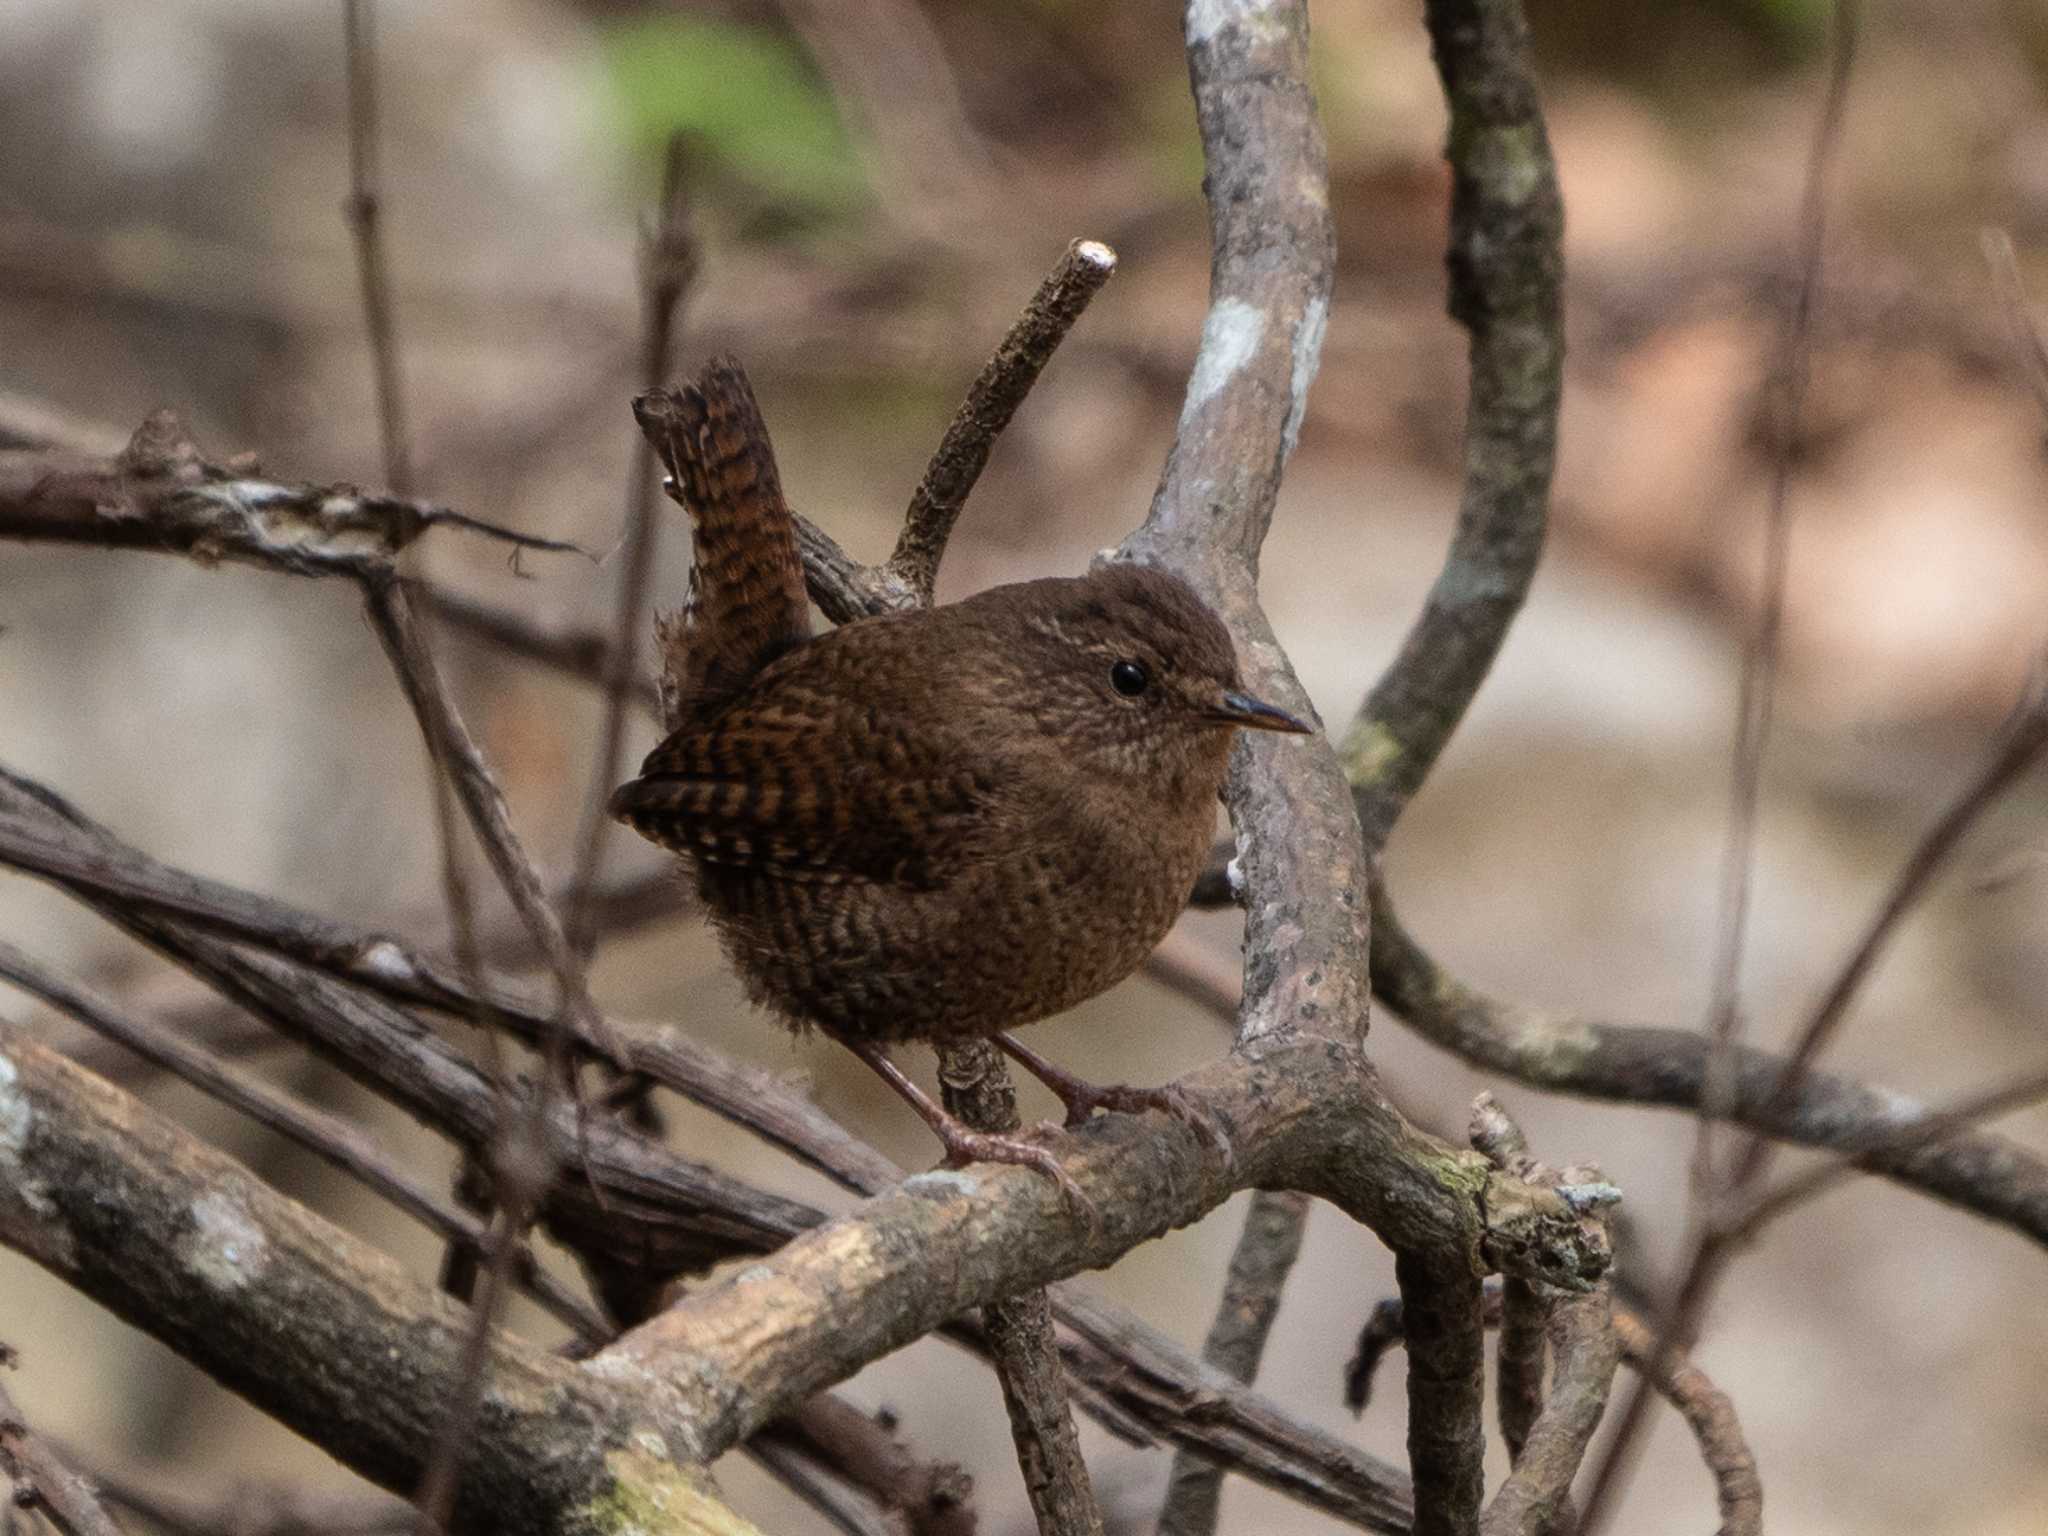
[(877, 185)]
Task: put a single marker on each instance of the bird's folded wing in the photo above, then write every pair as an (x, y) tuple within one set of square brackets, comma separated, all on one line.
[(798, 798)]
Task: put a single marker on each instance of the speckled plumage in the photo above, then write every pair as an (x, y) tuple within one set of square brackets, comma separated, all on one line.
[(931, 825)]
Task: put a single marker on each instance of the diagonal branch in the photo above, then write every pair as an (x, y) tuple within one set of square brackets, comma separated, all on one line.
[(1506, 288), (312, 1326), (334, 1140), (1562, 1052), (1139, 1381), (991, 401), (1303, 1111)]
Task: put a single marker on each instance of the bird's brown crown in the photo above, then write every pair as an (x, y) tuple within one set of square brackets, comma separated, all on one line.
[(1119, 668)]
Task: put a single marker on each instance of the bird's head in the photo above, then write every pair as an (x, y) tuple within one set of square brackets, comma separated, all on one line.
[(1130, 670)]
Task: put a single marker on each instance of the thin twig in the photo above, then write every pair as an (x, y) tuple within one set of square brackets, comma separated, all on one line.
[(363, 210), (975, 1083), (1707, 1255), (2019, 321), (583, 655), (42, 1479), (1564, 1052), (932, 1498), (2022, 742), (522, 1154), (1785, 398), (1519, 1352), (462, 762), (1266, 1250), (992, 400), (1924, 1129), (1710, 1416), (668, 264)]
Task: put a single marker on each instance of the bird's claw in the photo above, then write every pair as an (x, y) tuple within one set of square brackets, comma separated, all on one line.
[(1172, 1101), (966, 1146)]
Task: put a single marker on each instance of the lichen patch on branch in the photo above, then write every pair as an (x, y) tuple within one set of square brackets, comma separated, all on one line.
[(224, 1248), (1230, 339), (1208, 17)]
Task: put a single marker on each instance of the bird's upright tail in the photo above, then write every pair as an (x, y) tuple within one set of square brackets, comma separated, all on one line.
[(747, 602)]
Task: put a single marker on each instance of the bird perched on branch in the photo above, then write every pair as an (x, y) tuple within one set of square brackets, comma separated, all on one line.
[(939, 824)]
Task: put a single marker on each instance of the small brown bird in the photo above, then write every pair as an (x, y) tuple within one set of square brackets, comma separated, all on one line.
[(933, 825)]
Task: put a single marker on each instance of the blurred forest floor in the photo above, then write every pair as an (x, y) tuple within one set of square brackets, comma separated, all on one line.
[(877, 185)]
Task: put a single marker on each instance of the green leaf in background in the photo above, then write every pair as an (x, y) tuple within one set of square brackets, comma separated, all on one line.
[(1800, 24), (746, 94)]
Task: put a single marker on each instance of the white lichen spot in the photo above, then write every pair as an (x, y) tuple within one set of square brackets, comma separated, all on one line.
[(224, 1247), (17, 1117), (1230, 338), (1208, 17), (616, 1367), (387, 962), (17, 1121), (944, 1181), (1308, 356)]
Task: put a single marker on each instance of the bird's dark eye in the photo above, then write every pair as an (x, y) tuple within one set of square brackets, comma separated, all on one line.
[(1128, 679)]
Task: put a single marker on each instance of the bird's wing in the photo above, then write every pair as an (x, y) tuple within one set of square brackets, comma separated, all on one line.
[(747, 602), (798, 785)]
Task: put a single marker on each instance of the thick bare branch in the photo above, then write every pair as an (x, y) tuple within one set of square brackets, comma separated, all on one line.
[(1303, 1112), (1272, 256), (1446, 1385), (312, 1326)]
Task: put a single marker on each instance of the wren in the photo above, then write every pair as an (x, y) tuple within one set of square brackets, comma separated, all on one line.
[(933, 825)]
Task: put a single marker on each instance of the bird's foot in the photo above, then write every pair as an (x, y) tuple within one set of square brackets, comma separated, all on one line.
[(1082, 1098), (965, 1145)]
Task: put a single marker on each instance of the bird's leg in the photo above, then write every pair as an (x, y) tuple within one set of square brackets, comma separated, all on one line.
[(1083, 1098), (963, 1143)]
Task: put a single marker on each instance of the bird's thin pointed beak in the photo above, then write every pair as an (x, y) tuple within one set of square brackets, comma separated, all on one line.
[(1257, 715)]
